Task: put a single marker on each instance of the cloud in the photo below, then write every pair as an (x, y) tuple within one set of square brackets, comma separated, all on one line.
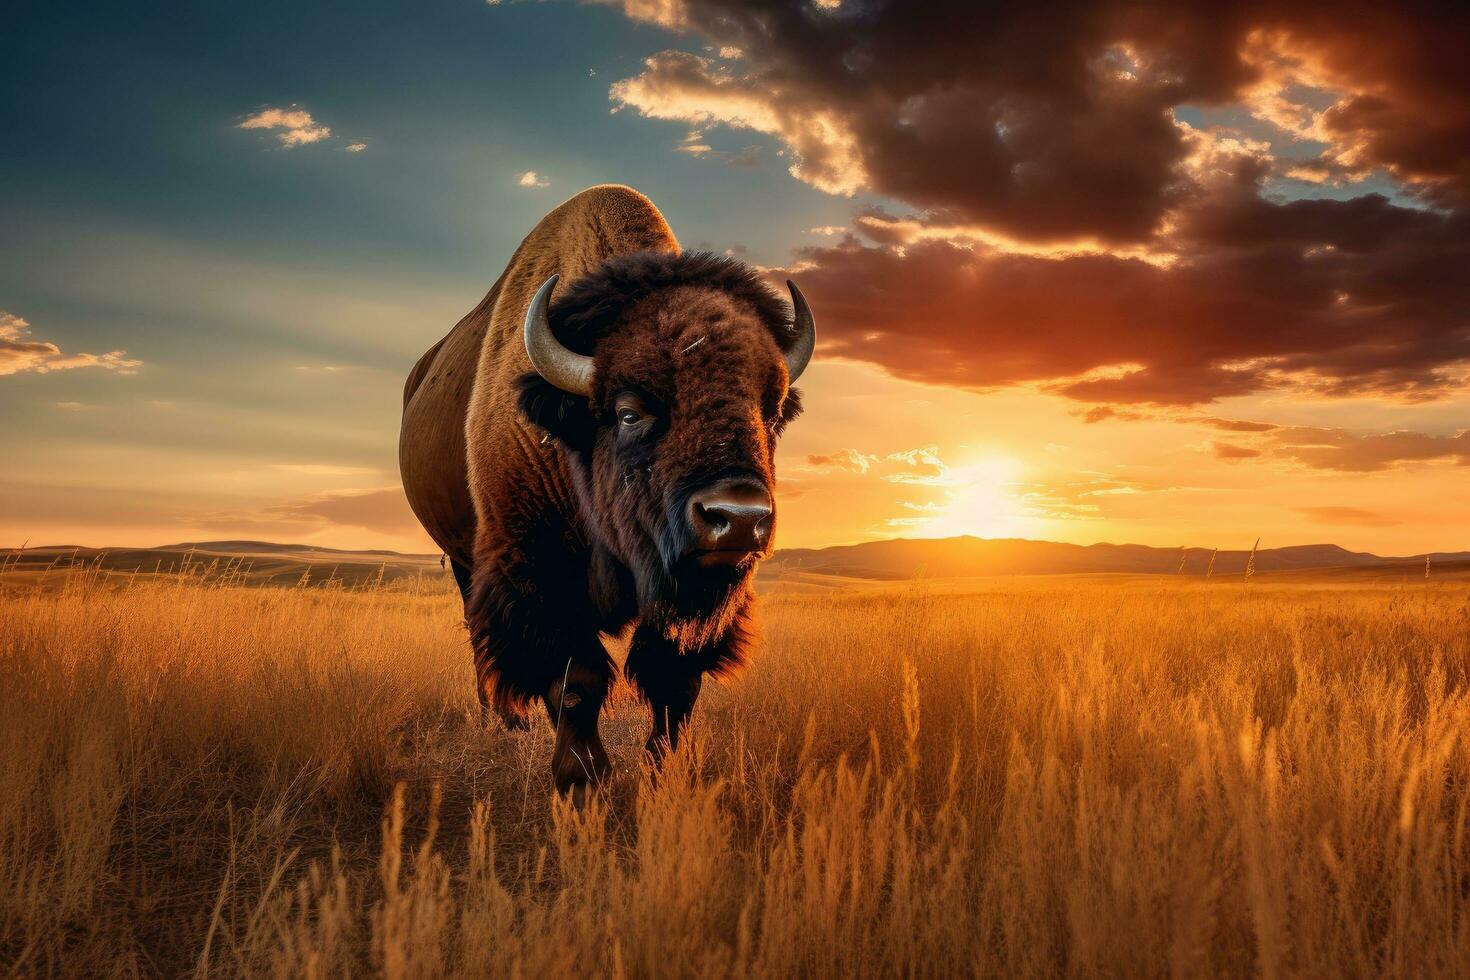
[(1325, 297), (1237, 425), (677, 85), (1391, 97), (355, 147), (921, 466), (532, 179), (1225, 450), (1068, 230), (941, 107), (1317, 447), (296, 126), (918, 514), (1101, 413), (1347, 515), (917, 466), (1344, 451), (1094, 497), (384, 510), (1010, 115), (843, 459), (19, 353), (693, 144), (324, 469)]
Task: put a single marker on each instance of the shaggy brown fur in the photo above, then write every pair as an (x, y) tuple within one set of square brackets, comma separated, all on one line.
[(577, 521)]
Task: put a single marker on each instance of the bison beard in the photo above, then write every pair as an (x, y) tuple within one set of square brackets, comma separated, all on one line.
[(593, 533)]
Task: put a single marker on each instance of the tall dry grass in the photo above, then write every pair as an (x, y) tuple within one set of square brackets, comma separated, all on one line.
[(1044, 778)]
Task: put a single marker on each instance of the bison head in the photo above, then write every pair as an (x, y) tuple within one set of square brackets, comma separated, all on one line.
[(667, 380)]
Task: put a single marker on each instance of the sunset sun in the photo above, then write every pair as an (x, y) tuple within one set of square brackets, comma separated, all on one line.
[(979, 499)]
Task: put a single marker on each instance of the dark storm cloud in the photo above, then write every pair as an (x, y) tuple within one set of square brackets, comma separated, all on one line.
[(1056, 119), (1411, 115), (1068, 230), (1012, 116), (1337, 315)]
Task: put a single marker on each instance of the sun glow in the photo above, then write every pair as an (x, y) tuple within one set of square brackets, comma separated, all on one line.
[(979, 499)]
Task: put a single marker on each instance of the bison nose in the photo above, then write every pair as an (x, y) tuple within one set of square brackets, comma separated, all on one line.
[(732, 517)]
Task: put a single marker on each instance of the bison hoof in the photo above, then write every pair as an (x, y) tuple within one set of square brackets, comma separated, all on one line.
[(578, 768), (578, 795)]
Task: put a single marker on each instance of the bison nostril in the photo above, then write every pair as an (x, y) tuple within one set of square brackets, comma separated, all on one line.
[(731, 516), (714, 518)]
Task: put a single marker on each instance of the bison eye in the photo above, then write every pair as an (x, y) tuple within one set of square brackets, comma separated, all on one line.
[(633, 413)]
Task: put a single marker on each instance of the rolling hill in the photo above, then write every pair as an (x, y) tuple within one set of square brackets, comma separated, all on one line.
[(965, 557), (899, 559), (243, 562)]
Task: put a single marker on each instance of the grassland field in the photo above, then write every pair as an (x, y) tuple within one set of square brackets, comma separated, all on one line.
[(1122, 776)]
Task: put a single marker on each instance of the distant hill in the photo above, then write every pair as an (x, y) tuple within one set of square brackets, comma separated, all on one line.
[(268, 563), (245, 562), (266, 547), (964, 557)]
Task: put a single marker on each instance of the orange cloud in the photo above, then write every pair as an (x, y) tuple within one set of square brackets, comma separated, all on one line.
[(1237, 425), (1322, 297), (19, 353), (1338, 449), (688, 88), (384, 510), (1224, 450), (843, 459), (296, 126), (1348, 515)]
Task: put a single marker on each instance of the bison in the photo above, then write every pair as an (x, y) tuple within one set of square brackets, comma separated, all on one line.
[(592, 446)]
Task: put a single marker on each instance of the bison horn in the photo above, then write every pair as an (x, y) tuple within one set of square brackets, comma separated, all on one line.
[(567, 370), (800, 353)]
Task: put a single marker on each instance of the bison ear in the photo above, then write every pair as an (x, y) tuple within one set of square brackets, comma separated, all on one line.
[(567, 418), (790, 409)]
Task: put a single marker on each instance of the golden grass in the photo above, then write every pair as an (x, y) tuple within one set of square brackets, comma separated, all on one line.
[(1047, 777)]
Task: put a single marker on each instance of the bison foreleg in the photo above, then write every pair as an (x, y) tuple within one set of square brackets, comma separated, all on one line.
[(527, 649), (669, 681), (670, 713), (573, 703)]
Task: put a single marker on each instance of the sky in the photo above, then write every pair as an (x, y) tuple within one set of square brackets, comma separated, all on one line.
[(1091, 272)]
